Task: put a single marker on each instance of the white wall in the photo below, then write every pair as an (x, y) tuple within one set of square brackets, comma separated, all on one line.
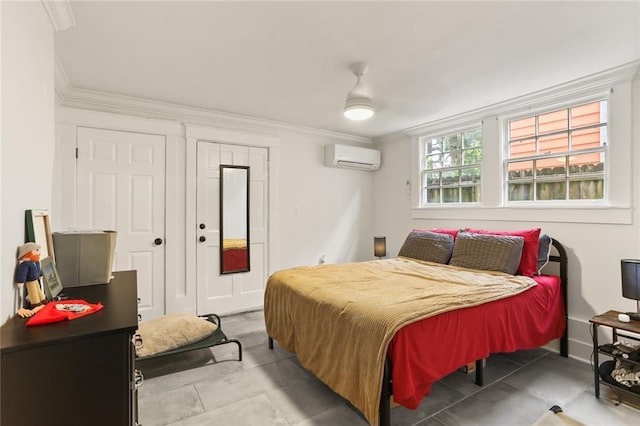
[(322, 210), (594, 250), (317, 210), (27, 148)]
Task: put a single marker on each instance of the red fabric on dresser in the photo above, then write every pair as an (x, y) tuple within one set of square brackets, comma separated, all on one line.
[(427, 350)]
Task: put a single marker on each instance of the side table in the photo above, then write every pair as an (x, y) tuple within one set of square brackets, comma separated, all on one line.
[(610, 319)]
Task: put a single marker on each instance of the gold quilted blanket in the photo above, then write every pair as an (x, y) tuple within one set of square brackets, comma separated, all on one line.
[(339, 319)]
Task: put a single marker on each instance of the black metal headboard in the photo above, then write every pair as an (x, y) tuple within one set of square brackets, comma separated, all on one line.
[(561, 258)]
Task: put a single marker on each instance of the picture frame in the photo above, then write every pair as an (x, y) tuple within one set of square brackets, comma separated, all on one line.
[(50, 278), (38, 230)]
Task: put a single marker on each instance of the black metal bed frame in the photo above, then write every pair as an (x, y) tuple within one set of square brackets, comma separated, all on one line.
[(387, 381), (216, 338)]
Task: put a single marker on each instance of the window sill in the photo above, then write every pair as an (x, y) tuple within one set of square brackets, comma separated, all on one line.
[(601, 215)]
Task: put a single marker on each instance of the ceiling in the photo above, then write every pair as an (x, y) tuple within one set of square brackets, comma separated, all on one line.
[(288, 61)]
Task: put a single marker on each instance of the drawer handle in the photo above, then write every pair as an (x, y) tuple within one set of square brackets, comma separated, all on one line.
[(137, 341), (139, 378)]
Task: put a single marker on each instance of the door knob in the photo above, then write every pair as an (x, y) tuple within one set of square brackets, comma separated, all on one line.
[(202, 238), (157, 241), (202, 226)]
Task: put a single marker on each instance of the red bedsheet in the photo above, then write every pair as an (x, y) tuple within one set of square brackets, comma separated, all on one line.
[(427, 350)]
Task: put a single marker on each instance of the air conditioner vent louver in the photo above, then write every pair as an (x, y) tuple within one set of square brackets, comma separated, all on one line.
[(352, 157)]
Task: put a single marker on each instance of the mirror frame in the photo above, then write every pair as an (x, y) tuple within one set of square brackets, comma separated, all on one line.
[(229, 270)]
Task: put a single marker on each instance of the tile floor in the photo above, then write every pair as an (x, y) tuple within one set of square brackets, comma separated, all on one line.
[(270, 387)]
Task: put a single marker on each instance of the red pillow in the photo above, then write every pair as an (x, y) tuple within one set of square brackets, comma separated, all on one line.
[(529, 259), (452, 232)]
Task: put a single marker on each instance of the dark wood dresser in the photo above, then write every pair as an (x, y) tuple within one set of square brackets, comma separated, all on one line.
[(74, 372)]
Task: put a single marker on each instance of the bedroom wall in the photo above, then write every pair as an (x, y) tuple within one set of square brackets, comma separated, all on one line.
[(594, 250), (319, 211), (323, 210), (27, 117)]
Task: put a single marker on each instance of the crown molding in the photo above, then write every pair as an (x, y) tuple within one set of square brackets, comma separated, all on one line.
[(231, 136), (110, 121), (600, 81), (62, 84), (60, 14), (68, 96)]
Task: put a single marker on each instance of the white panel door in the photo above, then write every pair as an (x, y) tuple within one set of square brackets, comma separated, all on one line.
[(218, 293), (120, 186)]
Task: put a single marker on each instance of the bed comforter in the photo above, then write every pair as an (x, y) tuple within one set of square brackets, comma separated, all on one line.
[(339, 319)]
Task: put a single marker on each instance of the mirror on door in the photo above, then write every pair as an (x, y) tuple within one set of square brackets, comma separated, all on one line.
[(234, 219)]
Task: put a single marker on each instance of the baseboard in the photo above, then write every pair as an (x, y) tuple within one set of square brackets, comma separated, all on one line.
[(580, 351), (580, 340)]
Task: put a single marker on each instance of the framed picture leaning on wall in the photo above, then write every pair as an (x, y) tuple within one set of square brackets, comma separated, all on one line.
[(38, 230), (50, 279)]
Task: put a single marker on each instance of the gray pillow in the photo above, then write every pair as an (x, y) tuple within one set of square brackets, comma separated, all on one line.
[(487, 252), (544, 251), (428, 246)]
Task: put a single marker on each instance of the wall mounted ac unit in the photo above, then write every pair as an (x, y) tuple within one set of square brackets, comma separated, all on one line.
[(351, 157)]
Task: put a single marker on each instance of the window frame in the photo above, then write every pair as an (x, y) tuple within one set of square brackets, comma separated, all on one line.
[(568, 102), (423, 170), (621, 84)]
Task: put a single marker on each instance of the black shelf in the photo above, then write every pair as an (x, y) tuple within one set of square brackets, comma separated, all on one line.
[(609, 354), (623, 394), (620, 388)]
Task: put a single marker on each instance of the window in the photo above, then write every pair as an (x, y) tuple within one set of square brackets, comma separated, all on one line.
[(450, 170), (561, 155), (558, 155)]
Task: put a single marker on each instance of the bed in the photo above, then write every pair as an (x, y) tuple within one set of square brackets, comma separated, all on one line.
[(367, 329)]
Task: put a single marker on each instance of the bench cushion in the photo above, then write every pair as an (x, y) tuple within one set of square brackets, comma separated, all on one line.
[(172, 331)]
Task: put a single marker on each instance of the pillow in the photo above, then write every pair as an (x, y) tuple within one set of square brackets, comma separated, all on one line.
[(172, 331), (428, 246), (487, 252), (452, 232), (529, 261), (544, 251)]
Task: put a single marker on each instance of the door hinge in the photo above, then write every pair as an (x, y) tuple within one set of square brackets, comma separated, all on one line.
[(77, 153)]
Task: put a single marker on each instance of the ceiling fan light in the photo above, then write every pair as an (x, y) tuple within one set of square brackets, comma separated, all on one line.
[(358, 106), (358, 111)]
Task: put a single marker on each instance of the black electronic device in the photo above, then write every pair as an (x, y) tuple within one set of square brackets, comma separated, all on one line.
[(621, 350)]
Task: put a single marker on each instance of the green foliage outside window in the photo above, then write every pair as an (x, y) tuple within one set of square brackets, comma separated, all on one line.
[(451, 172)]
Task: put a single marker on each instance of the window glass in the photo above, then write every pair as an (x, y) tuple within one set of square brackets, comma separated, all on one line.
[(558, 155), (451, 168)]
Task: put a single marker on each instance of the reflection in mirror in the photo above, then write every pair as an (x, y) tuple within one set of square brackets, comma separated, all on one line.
[(234, 219)]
